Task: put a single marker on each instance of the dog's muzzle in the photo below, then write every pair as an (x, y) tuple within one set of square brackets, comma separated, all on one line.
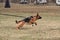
[(40, 17)]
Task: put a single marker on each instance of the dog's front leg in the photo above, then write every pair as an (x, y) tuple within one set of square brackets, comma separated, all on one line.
[(32, 24), (35, 23)]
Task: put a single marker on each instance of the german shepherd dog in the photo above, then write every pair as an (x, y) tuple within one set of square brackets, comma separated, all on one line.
[(29, 20)]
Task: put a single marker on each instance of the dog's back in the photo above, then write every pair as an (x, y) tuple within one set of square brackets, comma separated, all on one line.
[(25, 20)]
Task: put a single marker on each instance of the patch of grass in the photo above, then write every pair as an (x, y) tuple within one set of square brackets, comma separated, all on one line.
[(47, 28)]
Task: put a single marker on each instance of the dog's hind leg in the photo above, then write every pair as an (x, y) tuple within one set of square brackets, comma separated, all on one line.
[(20, 25)]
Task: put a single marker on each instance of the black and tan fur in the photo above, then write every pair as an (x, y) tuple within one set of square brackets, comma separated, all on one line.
[(29, 20)]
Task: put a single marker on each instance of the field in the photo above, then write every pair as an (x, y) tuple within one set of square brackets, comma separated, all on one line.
[(48, 27)]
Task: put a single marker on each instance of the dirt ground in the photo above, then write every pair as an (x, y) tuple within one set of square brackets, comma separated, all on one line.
[(48, 27)]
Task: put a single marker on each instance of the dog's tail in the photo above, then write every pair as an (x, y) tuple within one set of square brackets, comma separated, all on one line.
[(16, 21)]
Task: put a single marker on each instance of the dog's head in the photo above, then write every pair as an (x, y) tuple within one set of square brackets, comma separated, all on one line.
[(38, 16)]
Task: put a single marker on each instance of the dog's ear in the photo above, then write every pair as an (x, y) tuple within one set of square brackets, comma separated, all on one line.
[(37, 14)]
